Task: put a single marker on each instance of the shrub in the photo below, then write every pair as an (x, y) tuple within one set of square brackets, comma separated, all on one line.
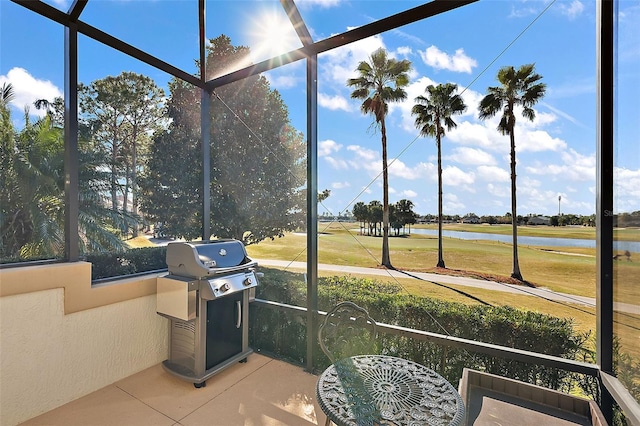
[(133, 261), (284, 334)]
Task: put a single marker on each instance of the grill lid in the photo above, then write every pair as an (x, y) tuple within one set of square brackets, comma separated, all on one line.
[(202, 259)]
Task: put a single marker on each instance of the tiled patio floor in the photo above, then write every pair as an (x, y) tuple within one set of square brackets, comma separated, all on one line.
[(262, 391)]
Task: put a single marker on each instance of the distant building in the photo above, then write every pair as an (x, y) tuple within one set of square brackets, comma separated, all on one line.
[(470, 218), (540, 220)]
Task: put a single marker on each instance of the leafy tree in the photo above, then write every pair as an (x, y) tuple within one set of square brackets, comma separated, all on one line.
[(405, 213), (360, 213), (518, 88), (433, 113), (7, 173), (395, 220), (375, 215), (55, 110), (257, 159), (379, 82), (122, 112), (324, 195), (171, 185)]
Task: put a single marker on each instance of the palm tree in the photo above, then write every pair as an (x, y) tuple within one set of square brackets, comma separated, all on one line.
[(433, 113), (380, 81), (32, 220), (6, 94), (520, 88), (404, 209), (360, 213)]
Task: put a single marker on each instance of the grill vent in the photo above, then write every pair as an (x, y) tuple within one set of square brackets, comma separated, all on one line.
[(189, 326), (183, 343)]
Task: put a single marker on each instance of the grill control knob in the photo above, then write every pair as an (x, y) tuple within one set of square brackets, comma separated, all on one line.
[(247, 281), (224, 287)]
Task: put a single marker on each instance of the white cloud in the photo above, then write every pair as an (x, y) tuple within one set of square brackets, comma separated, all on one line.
[(336, 163), (542, 119), (327, 147), (528, 183), (324, 4), (482, 135), (28, 89), (340, 185), (411, 37), (529, 136), (537, 140), (627, 189), (284, 81), (533, 196), (467, 155), (493, 174), (421, 170), (451, 203), (364, 153), (365, 159), (574, 167), (334, 103), (564, 115), (409, 193), (572, 10), (458, 62), (371, 161), (523, 11), (338, 65), (453, 176), (404, 51), (501, 191)]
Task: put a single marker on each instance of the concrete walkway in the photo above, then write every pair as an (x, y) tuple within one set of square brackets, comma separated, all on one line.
[(462, 281)]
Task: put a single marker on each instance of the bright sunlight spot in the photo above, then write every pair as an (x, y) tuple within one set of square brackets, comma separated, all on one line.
[(272, 34)]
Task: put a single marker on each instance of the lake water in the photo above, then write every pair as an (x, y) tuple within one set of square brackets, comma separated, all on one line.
[(632, 246)]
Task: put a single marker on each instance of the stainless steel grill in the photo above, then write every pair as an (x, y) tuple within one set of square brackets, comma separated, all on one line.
[(206, 296)]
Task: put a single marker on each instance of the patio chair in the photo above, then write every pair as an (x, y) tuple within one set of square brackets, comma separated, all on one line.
[(347, 330)]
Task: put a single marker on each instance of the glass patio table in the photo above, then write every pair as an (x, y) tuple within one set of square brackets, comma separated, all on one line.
[(384, 390)]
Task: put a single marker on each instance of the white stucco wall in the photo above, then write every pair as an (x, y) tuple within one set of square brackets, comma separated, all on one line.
[(48, 358)]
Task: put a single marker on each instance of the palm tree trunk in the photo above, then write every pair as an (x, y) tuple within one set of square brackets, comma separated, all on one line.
[(515, 273), (440, 256), (386, 261)]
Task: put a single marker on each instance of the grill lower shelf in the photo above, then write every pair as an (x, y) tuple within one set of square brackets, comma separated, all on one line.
[(184, 373)]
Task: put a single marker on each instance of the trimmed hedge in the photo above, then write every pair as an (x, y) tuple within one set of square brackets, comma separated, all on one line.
[(284, 334), (133, 261)]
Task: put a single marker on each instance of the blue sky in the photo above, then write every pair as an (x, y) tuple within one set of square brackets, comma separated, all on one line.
[(555, 152)]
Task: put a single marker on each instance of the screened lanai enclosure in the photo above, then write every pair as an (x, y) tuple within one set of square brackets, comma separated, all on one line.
[(361, 150)]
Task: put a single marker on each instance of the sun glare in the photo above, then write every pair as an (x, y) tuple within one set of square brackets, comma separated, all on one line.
[(272, 35)]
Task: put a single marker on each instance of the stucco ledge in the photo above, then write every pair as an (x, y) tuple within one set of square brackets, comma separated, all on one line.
[(75, 279)]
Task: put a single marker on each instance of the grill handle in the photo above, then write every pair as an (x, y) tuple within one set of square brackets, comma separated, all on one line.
[(239, 310)]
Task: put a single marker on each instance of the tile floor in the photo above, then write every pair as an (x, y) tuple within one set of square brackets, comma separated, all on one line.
[(264, 391)]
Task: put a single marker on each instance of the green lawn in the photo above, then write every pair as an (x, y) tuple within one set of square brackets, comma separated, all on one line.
[(562, 269)]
